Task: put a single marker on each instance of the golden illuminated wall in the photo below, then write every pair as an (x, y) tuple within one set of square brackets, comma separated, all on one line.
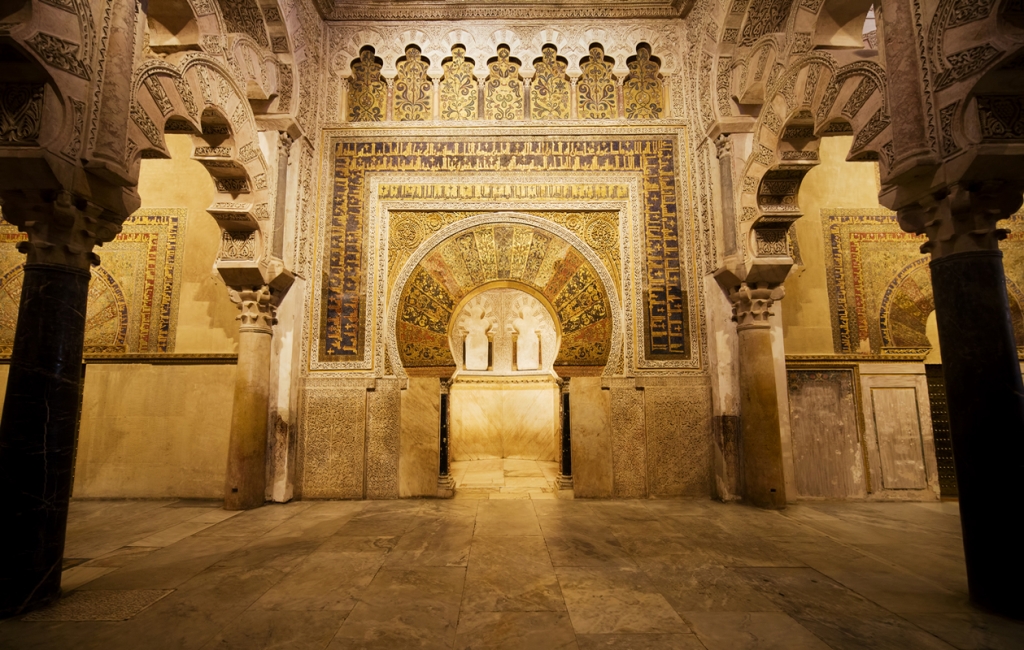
[(152, 429)]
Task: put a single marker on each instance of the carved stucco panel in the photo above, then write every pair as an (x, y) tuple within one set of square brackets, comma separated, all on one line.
[(383, 431), (629, 440), (333, 431), (678, 420)]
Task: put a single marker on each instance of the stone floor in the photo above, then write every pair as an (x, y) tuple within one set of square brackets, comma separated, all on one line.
[(554, 573), (504, 478)]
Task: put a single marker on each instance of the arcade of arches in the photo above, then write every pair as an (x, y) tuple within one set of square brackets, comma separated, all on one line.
[(754, 251)]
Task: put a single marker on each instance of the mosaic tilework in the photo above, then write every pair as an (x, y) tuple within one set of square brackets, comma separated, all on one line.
[(653, 157), (512, 254), (133, 298), (879, 283)]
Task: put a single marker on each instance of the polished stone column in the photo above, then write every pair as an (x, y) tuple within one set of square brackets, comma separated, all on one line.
[(565, 465), (445, 482), (760, 433), (984, 391), (245, 485), (41, 407)]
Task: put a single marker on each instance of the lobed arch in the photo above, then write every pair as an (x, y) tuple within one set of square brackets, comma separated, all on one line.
[(202, 98), (416, 260), (815, 97)]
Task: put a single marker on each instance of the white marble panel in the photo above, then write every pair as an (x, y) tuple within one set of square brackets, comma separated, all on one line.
[(504, 419)]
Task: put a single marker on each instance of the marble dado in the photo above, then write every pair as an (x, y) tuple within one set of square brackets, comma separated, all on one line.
[(503, 418)]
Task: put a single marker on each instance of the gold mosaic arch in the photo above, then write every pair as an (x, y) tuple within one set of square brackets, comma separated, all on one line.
[(515, 249)]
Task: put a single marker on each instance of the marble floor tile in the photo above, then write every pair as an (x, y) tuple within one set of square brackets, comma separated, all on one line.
[(972, 629), (405, 608), (483, 572), (616, 601), (515, 631), (75, 577), (587, 549), (750, 630), (639, 642), (511, 574), (324, 581), (261, 630), (512, 517)]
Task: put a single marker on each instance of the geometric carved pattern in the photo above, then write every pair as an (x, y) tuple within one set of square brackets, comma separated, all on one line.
[(243, 16)]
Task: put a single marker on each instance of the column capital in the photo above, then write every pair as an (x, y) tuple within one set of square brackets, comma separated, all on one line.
[(62, 227), (752, 303), (963, 217), (723, 145), (258, 306)]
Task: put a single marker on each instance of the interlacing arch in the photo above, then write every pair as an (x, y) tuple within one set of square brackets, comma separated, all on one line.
[(203, 99)]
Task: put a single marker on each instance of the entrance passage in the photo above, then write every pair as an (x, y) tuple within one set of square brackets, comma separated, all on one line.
[(505, 478)]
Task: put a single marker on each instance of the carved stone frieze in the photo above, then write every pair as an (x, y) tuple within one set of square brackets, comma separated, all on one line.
[(59, 53)]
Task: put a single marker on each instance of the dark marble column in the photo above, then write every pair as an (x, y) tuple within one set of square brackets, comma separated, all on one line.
[(37, 434), (984, 392), (986, 417), (565, 466), (445, 482)]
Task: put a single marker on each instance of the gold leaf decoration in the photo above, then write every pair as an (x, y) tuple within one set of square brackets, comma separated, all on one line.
[(549, 93), (413, 89), (503, 92), (458, 87), (596, 87), (643, 92), (367, 94)]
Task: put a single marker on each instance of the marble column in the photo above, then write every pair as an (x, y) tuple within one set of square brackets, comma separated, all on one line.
[(984, 391), (245, 484), (41, 408), (760, 434), (445, 482), (565, 464), (723, 147)]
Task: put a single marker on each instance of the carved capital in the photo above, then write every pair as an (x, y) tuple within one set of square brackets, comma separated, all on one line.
[(752, 304), (286, 141), (62, 227), (723, 145), (258, 306), (962, 218)]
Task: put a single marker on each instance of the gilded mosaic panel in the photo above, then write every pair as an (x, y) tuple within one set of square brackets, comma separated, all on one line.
[(549, 91), (413, 88), (367, 92), (599, 229), (666, 301), (879, 283), (458, 92), (596, 87), (643, 92), (503, 90), (133, 298)]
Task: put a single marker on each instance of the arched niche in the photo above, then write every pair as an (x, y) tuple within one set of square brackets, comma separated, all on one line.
[(504, 249), (504, 329)]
